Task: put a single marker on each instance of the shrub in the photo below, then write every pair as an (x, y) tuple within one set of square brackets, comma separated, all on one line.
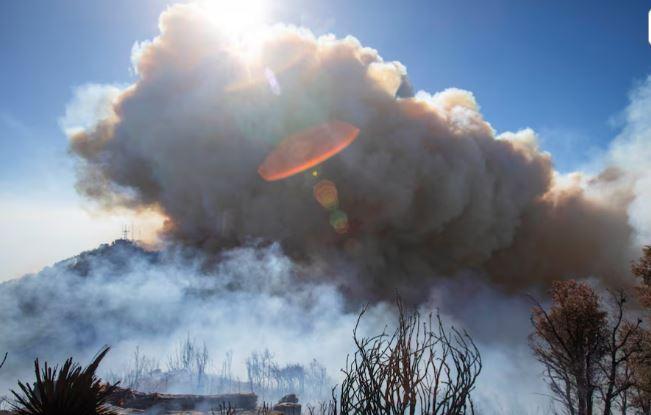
[(419, 368), (71, 390)]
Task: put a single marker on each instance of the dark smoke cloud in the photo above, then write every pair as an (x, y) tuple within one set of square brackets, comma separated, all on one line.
[(429, 188)]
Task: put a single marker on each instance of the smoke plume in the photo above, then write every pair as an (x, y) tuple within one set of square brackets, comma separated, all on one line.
[(427, 190), (428, 201)]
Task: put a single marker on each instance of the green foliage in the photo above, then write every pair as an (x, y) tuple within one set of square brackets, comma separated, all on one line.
[(71, 390)]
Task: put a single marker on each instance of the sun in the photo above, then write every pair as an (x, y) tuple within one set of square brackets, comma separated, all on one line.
[(237, 18)]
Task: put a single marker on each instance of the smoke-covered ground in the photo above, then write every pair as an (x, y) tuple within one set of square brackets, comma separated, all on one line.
[(252, 299), (436, 206)]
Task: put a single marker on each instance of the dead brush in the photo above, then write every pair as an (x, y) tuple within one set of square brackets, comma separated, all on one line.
[(265, 409), (421, 368), (322, 408), (224, 408)]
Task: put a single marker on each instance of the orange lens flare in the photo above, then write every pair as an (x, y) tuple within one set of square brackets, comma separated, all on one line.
[(306, 149), (325, 192)]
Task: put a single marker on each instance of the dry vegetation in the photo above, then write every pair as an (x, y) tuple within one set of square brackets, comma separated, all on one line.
[(421, 367), (595, 351), (187, 371)]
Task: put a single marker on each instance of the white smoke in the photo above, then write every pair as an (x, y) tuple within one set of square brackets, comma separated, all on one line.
[(125, 297), (630, 152), (253, 298)]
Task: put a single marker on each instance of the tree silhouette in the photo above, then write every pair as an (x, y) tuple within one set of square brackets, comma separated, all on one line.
[(588, 348), (420, 367), (569, 340)]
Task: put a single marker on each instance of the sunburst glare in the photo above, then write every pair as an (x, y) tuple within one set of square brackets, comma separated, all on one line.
[(237, 18)]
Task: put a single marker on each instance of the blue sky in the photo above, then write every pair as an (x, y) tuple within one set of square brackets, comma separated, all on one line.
[(563, 68)]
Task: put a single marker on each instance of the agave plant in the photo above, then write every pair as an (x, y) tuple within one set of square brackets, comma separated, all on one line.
[(71, 390)]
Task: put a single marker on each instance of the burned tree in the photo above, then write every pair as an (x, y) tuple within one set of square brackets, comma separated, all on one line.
[(588, 351), (142, 367), (639, 396), (421, 367), (642, 268), (569, 340), (268, 378), (623, 344), (637, 372), (192, 359)]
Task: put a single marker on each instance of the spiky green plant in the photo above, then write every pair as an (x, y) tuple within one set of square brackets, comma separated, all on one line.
[(71, 390)]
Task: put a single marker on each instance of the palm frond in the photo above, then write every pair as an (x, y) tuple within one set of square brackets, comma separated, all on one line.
[(70, 390)]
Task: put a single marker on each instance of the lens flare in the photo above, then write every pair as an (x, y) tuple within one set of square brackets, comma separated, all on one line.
[(307, 148), (274, 85), (325, 192), (339, 221)]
